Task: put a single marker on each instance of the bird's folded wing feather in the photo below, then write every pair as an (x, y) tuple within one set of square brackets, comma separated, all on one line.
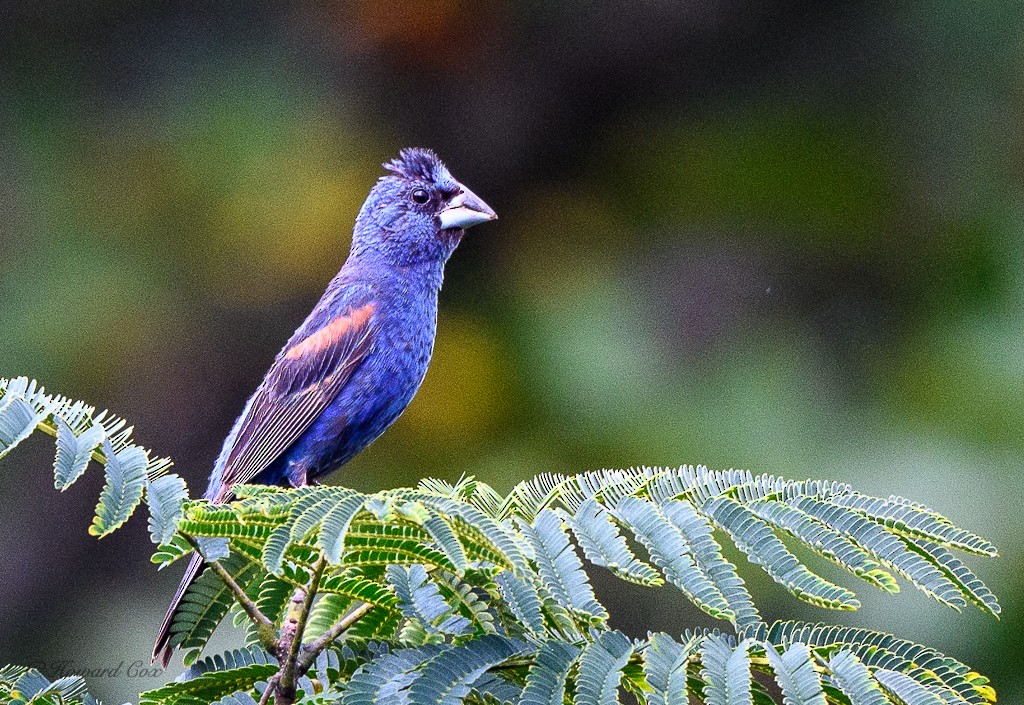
[(304, 379)]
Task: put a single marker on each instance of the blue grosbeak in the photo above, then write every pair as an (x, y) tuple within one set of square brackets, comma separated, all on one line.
[(355, 363)]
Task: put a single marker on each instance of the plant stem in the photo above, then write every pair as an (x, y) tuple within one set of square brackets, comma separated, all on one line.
[(291, 637), (271, 687), (309, 653), (266, 629)]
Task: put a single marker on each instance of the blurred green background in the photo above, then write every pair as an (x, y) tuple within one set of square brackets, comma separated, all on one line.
[(784, 236)]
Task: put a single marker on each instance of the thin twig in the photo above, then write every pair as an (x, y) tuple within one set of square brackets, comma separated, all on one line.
[(265, 625), (310, 652), (293, 630), (271, 685)]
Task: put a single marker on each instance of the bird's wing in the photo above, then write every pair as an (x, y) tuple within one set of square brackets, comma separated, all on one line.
[(304, 379)]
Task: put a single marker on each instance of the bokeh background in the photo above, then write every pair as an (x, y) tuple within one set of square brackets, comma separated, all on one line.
[(776, 235)]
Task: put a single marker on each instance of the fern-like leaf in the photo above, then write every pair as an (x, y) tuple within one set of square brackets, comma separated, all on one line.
[(335, 525), (165, 497), (420, 600), (545, 683), (795, 674), (600, 669), (915, 521), (665, 667), (603, 545), (448, 677), (698, 533), (122, 493), (755, 538), (386, 679), (825, 542), (559, 566), (906, 689), (670, 551), (73, 452), (886, 547), (206, 604), (726, 671), (522, 599), (855, 681), (23, 405)]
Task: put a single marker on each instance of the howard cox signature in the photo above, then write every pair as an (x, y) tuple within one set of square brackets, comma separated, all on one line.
[(122, 669)]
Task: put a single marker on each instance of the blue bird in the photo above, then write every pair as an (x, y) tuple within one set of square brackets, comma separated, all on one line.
[(355, 363)]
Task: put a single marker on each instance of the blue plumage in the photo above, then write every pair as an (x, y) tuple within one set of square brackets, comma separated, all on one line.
[(355, 363)]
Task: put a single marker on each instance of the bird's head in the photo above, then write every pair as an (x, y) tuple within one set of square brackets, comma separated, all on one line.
[(418, 212)]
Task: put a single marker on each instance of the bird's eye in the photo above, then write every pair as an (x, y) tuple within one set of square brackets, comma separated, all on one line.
[(420, 196)]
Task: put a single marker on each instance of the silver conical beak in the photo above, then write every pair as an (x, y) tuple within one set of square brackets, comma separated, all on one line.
[(466, 210)]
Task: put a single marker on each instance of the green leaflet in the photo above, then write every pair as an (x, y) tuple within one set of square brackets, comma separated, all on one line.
[(665, 667), (272, 597), (545, 682), (529, 497), (600, 669), (420, 599), (171, 551), (825, 542), (438, 528), (236, 658), (708, 554), (165, 496), (608, 486), (603, 545), (559, 566), (958, 573), (466, 600), (377, 624), (23, 405), (755, 538), (444, 536), (795, 674), (852, 677), (475, 527), (126, 479), (699, 484), (73, 452), (915, 521), (385, 552), (385, 679), (327, 610), (357, 587), (522, 599), (335, 525), (670, 551), (726, 671), (304, 515), (447, 678), (881, 650), (206, 604), (209, 686), (886, 547), (907, 689)]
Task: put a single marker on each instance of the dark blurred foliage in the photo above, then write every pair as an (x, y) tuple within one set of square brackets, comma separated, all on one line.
[(784, 236)]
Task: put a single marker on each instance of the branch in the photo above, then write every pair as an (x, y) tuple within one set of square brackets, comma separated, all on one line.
[(310, 652), (291, 635), (266, 629), (271, 687)]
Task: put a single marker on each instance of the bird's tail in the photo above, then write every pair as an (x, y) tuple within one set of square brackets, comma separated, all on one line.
[(163, 649)]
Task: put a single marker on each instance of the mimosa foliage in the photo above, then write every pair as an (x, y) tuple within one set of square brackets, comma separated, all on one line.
[(445, 594)]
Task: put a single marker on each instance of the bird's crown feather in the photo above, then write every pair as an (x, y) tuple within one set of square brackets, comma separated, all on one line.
[(417, 163)]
